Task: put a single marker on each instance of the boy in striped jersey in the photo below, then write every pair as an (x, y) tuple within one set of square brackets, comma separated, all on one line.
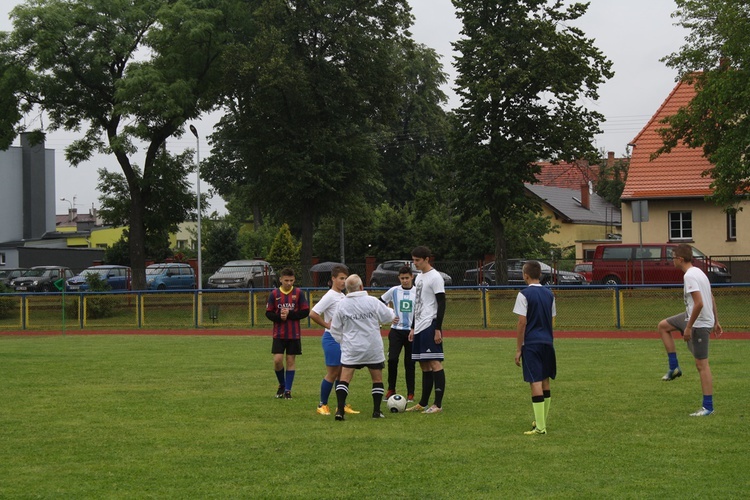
[(286, 306)]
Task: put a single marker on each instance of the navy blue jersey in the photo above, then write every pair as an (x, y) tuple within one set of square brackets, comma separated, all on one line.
[(539, 304)]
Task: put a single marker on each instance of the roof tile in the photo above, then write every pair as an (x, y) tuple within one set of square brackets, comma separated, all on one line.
[(676, 174)]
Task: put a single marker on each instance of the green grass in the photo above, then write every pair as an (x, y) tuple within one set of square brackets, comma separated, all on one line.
[(194, 416)]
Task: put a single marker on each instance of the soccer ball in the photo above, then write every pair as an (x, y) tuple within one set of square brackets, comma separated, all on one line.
[(397, 403)]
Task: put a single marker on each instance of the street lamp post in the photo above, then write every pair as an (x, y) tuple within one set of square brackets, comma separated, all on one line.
[(198, 190)]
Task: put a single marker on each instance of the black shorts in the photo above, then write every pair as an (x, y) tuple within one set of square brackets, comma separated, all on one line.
[(538, 362), (371, 366), (291, 347)]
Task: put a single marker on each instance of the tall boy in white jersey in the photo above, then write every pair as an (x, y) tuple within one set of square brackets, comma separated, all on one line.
[(401, 298), (695, 324), (426, 333), (322, 313)]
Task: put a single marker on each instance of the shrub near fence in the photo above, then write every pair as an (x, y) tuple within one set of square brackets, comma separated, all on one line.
[(467, 308)]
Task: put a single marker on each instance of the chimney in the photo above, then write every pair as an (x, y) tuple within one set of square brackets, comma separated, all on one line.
[(72, 214), (610, 159), (585, 203)]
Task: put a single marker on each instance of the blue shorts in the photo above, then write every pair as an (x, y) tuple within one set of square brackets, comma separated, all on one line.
[(424, 347), (538, 362), (331, 350)]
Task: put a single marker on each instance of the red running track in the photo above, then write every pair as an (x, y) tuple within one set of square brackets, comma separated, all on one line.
[(610, 334)]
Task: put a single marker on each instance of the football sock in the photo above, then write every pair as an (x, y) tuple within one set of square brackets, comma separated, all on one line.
[(427, 380), (342, 391), (708, 402), (280, 376), (289, 380), (672, 360), (547, 397), (538, 403), (377, 395), (439, 378), (325, 391)]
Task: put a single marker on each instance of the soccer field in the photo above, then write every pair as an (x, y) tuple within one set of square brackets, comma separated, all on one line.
[(118, 416)]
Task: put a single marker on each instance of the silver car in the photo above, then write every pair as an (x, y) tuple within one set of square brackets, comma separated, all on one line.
[(244, 274)]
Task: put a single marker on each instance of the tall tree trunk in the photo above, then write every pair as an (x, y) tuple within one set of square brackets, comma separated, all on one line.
[(307, 241), (501, 257), (136, 239)]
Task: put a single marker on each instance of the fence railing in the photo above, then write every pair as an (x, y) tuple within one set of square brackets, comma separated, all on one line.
[(468, 308)]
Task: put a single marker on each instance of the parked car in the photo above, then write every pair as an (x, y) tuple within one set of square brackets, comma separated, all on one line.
[(170, 275), (515, 275), (244, 274), (9, 274), (118, 278), (41, 279), (648, 263), (584, 269), (386, 274)]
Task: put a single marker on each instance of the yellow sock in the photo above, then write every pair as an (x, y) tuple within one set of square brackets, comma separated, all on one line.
[(539, 414), (546, 409)]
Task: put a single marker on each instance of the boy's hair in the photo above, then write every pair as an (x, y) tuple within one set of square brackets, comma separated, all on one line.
[(405, 270), (338, 269), (422, 252), (685, 251), (287, 271), (533, 269)]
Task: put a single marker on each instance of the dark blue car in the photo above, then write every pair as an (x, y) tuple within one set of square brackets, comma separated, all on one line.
[(118, 278)]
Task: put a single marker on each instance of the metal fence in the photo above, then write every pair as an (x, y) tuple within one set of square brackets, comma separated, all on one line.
[(468, 308)]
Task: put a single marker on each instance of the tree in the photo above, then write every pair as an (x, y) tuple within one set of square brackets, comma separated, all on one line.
[(412, 152), (221, 244), (130, 73), (522, 71), (173, 201), (309, 93), (611, 180), (716, 61), (285, 251)]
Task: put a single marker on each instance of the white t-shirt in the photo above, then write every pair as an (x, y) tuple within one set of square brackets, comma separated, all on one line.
[(403, 304), (427, 285), (327, 304), (696, 280), (356, 326)]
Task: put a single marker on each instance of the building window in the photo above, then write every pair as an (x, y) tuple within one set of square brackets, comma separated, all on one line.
[(2, 259), (732, 225), (182, 244), (680, 226)]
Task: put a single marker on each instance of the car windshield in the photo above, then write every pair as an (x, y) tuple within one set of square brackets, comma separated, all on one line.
[(100, 272), (35, 273), (234, 269), (697, 253)]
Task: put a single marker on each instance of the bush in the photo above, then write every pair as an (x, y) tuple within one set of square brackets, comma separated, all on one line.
[(100, 306), (6, 304)]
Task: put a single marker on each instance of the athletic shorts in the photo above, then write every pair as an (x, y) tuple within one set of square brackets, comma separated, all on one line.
[(371, 366), (291, 347), (424, 347), (538, 362), (698, 344), (331, 350)]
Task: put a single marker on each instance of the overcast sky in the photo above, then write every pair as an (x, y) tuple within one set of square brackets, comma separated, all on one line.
[(634, 34)]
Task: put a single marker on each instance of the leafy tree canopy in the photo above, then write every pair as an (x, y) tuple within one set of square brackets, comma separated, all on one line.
[(129, 73), (715, 59), (310, 91), (522, 71)]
